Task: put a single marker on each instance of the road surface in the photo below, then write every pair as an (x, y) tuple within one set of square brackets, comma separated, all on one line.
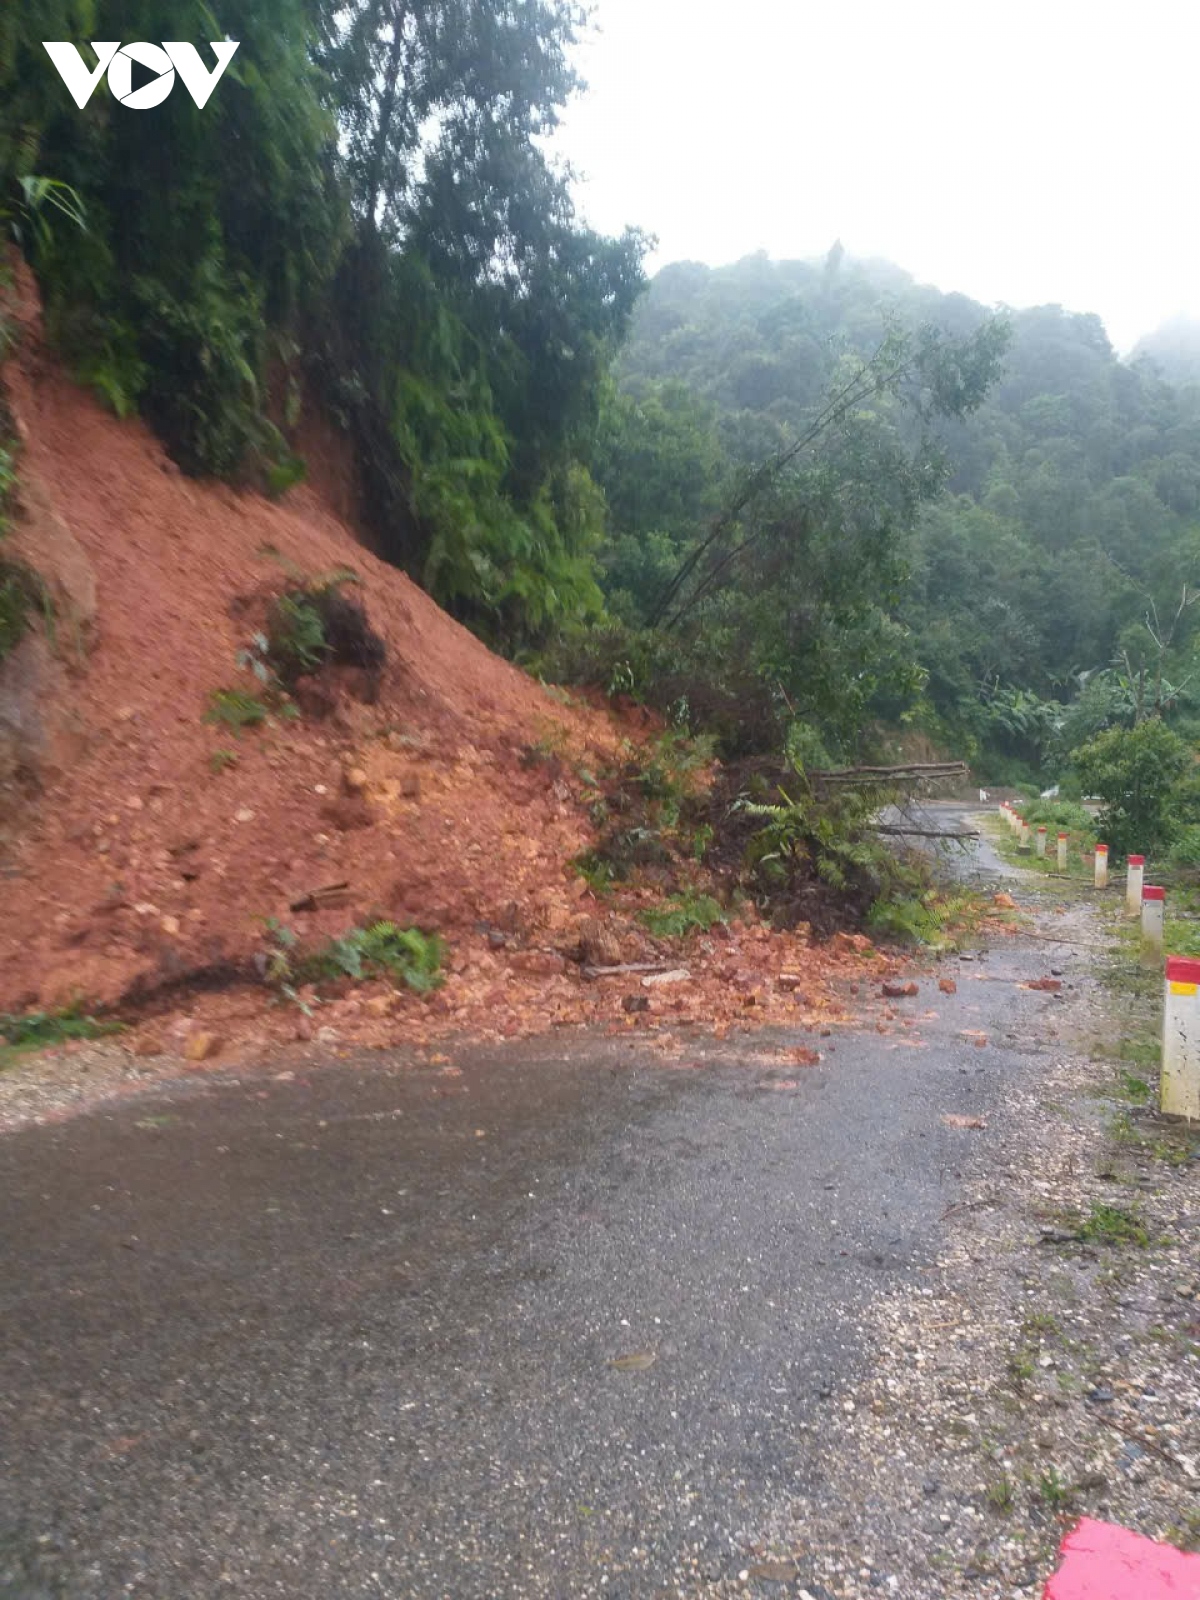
[(352, 1332)]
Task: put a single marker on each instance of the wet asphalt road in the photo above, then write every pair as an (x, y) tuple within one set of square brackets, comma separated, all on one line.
[(351, 1334)]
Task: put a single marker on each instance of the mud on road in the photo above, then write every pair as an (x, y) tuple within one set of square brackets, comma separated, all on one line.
[(582, 1318)]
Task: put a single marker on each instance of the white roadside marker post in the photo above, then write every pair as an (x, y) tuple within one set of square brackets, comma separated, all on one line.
[(1024, 834), (1102, 866), (1153, 911), (1135, 877), (1180, 1089), (1041, 843), (1062, 852)]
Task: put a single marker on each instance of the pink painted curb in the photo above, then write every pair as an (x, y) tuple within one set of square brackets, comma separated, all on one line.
[(1104, 1562)]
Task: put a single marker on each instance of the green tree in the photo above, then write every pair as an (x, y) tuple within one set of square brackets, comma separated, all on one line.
[(1133, 770)]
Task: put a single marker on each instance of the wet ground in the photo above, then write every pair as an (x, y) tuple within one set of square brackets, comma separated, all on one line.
[(353, 1333)]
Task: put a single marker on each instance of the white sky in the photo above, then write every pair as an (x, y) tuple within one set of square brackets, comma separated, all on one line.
[(1018, 152)]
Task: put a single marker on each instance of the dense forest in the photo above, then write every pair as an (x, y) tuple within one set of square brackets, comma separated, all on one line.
[(362, 220), (795, 504), (1034, 598)]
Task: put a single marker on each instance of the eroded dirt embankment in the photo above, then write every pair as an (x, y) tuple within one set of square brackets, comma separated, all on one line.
[(146, 848)]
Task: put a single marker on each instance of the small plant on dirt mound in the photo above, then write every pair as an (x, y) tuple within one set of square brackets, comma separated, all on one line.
[(382, 950), (236, 709), (315, 625), (683, 914)]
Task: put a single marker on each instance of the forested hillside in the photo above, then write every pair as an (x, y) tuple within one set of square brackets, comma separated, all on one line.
[(1034, 601), (800, 509), (359, 226)]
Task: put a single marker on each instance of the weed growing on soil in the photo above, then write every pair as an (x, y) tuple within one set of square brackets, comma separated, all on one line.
[(685, 913), (221, 760), (1111, 1225), (296, 642), (315, 625), (236, 710), (1054, 1493), (39, 1030), (382, 950), (1001, 1496), (1185, 1534), (596, 872), (1133, 1088)]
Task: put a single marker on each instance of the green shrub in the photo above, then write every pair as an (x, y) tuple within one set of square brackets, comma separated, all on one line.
[(906, 919), (382, 950), (681, 915), (1133, 771), (1062, 816), (296, 642), (312, 625), (38, 1030)]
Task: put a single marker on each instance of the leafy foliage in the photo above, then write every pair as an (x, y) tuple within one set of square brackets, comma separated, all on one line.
[(1133, 770), (383, 950), (683, 914), (364, 218), (236, 709), (38, 1030), (1001, 564)]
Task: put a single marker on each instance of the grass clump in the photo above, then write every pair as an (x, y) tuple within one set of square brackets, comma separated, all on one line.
[(236, 709), (40, 1030), (1112, 1225), (683, 914)]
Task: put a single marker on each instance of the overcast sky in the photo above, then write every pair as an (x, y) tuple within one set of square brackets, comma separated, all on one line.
[(1018, 152)]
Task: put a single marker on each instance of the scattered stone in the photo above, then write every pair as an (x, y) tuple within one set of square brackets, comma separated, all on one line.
[(636, 1002), (654, 980), (346, 812), (773, 1571), (901, 991), (201, 1046), (637, 1361), (538, 963), (947, 986), (243, 815)]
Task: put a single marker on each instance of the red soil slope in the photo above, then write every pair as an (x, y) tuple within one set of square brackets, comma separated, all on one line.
[(135, 863)]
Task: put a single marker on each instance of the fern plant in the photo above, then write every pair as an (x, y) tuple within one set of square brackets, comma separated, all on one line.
[(684, 914)]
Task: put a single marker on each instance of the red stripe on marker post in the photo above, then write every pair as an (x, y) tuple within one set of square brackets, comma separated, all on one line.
[(1135, 861), (1153, 892), (1183, 969)]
